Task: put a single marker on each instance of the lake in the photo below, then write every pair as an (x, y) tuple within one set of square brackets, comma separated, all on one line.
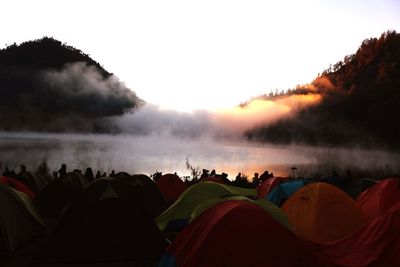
[(150, 153)]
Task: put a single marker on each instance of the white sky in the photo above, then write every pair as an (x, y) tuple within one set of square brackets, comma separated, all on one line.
[(188, 55)]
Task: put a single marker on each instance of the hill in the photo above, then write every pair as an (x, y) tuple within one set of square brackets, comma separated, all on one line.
[(361, 97), (49, 86)]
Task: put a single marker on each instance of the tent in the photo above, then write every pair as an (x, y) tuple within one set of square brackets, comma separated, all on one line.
[(29, 180), (265, 187), (378, 199), (377, 243), (283, 191), (177, 216), (267, 206), (148, 193), (171, 187), (106, 225), (58, 194), (322, 212), (19, 221), (237, 233), (215, 179), (17, 185)]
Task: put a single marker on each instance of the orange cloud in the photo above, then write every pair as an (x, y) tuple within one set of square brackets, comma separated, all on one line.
[(260, 112)]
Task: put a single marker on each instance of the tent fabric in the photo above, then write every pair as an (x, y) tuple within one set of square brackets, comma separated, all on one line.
[(17, 185), (376, 244), (19, 221), (52, 200), (378, 199), (107, 224), (283, 191), (267, 206), (265, 187), (322, 212), (150, 195), (29, 180), (195, 195), (214, 179), (238, 233), (171, 187)]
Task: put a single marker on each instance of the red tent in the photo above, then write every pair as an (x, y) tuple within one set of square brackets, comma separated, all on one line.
[(379, 198), (375, 244), (171, 187), (269, 184), (238, 233), (17, 185)]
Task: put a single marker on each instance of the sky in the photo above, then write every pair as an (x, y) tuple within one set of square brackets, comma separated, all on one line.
[(190, 55)]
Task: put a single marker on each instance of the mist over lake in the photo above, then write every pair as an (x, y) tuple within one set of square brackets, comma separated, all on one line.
[(165, 153)]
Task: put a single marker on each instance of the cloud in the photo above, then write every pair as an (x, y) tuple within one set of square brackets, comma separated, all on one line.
[(72, 99), (227, 123)]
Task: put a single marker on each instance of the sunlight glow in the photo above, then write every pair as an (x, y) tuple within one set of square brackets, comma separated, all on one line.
[(211, 54)]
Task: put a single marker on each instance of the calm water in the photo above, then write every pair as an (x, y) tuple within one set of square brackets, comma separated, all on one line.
[(148, 154)]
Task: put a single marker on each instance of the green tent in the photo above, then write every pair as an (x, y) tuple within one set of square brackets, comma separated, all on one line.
[(19, 221), (179, 213), (269, 207)]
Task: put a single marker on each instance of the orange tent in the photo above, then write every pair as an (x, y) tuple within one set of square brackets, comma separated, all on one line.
[(379, 198), (322, 212), (265, 187), (171, 187)]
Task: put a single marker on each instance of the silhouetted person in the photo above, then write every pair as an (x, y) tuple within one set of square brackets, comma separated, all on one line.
[(157, 176), (9, 173), (265, 175), (212, 172), (239, 176), (104, 174), (89, 174), (62, 172), (112, 174), (204, 174), (27, 178), (256, 178), (98, 175), (224, 177)]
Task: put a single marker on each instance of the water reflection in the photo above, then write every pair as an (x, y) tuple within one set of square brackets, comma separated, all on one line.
[(148, 154)]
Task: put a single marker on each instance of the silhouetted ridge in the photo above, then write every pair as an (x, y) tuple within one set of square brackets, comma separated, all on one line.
[(359, 107), (48, 86), (45, 53)]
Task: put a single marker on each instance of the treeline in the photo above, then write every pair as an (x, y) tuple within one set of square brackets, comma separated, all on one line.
[(361, 96)]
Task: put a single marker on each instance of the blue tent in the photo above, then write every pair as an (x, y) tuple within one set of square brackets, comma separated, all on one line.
[(283, 191)]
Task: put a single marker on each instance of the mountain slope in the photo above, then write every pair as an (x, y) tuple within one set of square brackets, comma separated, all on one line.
[(48, 86), (360, 107)]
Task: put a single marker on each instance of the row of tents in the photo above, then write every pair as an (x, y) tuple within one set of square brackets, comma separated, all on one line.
[(130, 220)]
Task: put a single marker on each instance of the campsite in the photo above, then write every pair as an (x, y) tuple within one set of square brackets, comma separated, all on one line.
[(76, 219), (200, 133)]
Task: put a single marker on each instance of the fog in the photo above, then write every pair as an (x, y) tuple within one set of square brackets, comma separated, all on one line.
[(166, 153)]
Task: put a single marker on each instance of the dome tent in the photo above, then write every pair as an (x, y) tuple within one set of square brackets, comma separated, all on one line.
[(322, 212), (171, 187), (238, 233), (178, 215), (108, 224), (283, 191), (19, 221), (378, 199)]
